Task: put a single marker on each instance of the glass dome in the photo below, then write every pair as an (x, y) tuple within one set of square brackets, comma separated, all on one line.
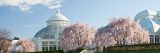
[(49, 32), (56, 24), (47, 39), (150, 20), (146, 24)]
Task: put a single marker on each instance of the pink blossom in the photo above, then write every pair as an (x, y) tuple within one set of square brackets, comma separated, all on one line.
[(77, 36), (25, 46), (121, 31)]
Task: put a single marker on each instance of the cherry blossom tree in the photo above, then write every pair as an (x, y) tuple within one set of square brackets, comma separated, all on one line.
[(5, 42), (25, 46), (121, 31), (5, 45), (76, 36), (103, 38)]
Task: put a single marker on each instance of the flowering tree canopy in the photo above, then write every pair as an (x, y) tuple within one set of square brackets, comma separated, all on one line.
[(103, 38), (121, 31), (5, 45), (5, 42), (25, 46), (76, 36)]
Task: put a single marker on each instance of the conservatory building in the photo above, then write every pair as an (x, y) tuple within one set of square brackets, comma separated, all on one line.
[(150, 21), (48, 38)]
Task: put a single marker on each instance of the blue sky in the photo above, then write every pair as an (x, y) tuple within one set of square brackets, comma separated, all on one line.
[(96, 13)]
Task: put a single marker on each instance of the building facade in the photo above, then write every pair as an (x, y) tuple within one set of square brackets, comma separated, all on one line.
[(48, 38), (150, 21)]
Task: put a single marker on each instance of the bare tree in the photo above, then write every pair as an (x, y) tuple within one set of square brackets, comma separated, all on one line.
[(4, 33), (77, 36)]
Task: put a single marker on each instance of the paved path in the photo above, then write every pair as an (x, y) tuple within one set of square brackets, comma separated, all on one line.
[(87, 51)]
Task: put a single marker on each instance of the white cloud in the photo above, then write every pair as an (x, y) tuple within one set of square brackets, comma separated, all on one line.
[(26, 5)]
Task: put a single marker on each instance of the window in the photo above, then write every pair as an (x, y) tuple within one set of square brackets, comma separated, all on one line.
[(48, 46), (45, 46), (51, 47), (157, 39), (151, 39)]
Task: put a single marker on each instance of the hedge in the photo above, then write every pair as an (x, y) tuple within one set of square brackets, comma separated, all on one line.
[(137, 48), (56, 51), (60, 51), (153, 46)]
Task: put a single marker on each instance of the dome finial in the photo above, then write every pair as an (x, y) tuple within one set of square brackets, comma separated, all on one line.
[(58, 10)]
